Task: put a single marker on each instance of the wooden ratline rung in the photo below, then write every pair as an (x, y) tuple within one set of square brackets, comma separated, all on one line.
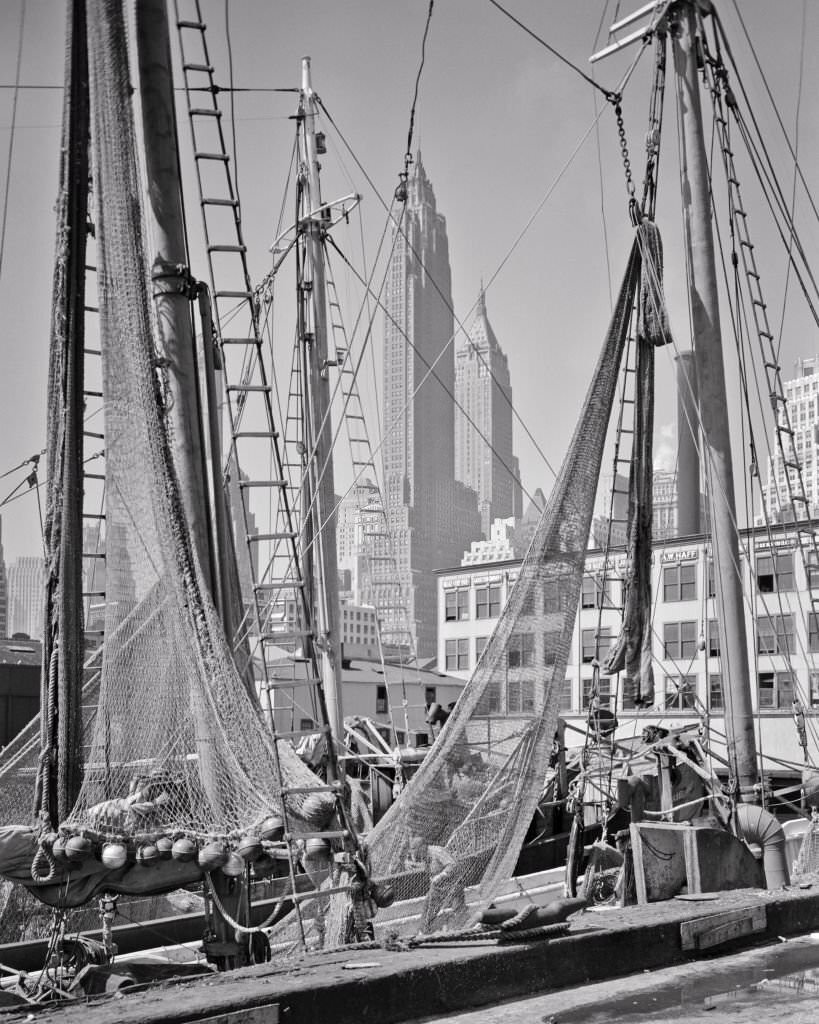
[(279, 585), (289, 684), (292, 733), (212, 201)]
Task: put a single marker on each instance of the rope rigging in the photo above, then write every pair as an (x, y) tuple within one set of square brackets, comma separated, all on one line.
[(401, 190), (12, 127)]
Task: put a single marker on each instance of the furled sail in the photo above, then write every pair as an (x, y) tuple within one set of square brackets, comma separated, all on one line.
[(462, 820), (632, 649)]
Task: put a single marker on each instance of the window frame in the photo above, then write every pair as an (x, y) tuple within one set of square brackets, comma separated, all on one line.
[(456, 602), (676, 585)]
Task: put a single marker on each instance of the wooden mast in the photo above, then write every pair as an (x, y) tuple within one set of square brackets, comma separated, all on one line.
[(172, 282), (59, 777), (173, 291), (716, 444), (318, 428)]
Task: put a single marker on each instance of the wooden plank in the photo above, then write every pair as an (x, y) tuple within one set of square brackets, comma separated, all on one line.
[(706, 932), (268, 1014)]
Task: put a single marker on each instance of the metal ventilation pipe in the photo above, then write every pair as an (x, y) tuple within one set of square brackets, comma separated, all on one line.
[(688, 456), (756, 825)]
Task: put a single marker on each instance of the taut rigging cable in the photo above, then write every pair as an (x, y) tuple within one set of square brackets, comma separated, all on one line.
[(13, 125)]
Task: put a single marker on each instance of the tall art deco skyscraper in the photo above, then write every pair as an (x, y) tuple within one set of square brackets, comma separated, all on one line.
[(484, 392), (433, 517)]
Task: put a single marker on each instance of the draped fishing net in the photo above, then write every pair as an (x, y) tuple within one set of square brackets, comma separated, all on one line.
[(178, 745), (462, 820)]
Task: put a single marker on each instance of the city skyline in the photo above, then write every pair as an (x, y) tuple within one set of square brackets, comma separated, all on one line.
[(485, 83)]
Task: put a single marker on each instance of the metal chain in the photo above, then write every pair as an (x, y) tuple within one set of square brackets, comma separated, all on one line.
[(633, 209)]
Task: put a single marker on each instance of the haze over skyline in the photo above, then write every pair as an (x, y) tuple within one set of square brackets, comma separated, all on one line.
[(498, 121)]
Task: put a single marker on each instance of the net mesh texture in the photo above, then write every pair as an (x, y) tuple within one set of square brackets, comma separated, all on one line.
[(462, 820), (178, 745)]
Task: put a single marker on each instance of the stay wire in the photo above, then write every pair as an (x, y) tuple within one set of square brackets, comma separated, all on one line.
[(610, 96), (623, 83), (411, 128), (7, 188), (726, 44), (795, 176)]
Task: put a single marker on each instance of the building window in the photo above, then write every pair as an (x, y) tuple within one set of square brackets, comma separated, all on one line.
[(566, 701), (715, 702), (812, 571), (520, 696), (381, 700), (679, 640), (491, 701), (680, 582), (551, 641), (528, 604), (680, 693), (305, 724), (814, 689), (591, 645), (554, 599), (429, 695), (487, 602), (712, 583), (774, 634), (457, 655), (456, 603), (813, 631), (604, 690), (774, 573), (520, 651), (480, 644), (594, 593), (713, 638), (775, 690)]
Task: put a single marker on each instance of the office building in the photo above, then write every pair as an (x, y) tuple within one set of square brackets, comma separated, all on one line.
[(484, 459), (432, 516)]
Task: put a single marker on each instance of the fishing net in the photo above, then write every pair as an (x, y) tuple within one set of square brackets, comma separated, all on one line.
[(807, 861), (178, 745), (463, 819)]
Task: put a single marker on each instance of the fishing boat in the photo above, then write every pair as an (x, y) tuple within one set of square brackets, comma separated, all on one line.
[(166, 758)]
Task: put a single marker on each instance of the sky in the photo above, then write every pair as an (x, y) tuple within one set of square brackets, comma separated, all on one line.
[(537, 216)]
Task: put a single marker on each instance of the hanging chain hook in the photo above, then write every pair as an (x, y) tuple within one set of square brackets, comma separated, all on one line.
[(633, 206)]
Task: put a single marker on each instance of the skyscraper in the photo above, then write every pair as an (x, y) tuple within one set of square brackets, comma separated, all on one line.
[(802, 394), (4, 607), (432, 516), (484, 392), (26, 590)]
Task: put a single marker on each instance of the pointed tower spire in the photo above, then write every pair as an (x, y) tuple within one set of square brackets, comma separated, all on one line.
[(481, 311)]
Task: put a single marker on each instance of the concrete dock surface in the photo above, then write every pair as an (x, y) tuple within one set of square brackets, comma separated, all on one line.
[(379, 986)]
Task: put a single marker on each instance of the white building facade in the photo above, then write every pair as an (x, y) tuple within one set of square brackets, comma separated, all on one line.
[(802, 394), (782, 629)]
